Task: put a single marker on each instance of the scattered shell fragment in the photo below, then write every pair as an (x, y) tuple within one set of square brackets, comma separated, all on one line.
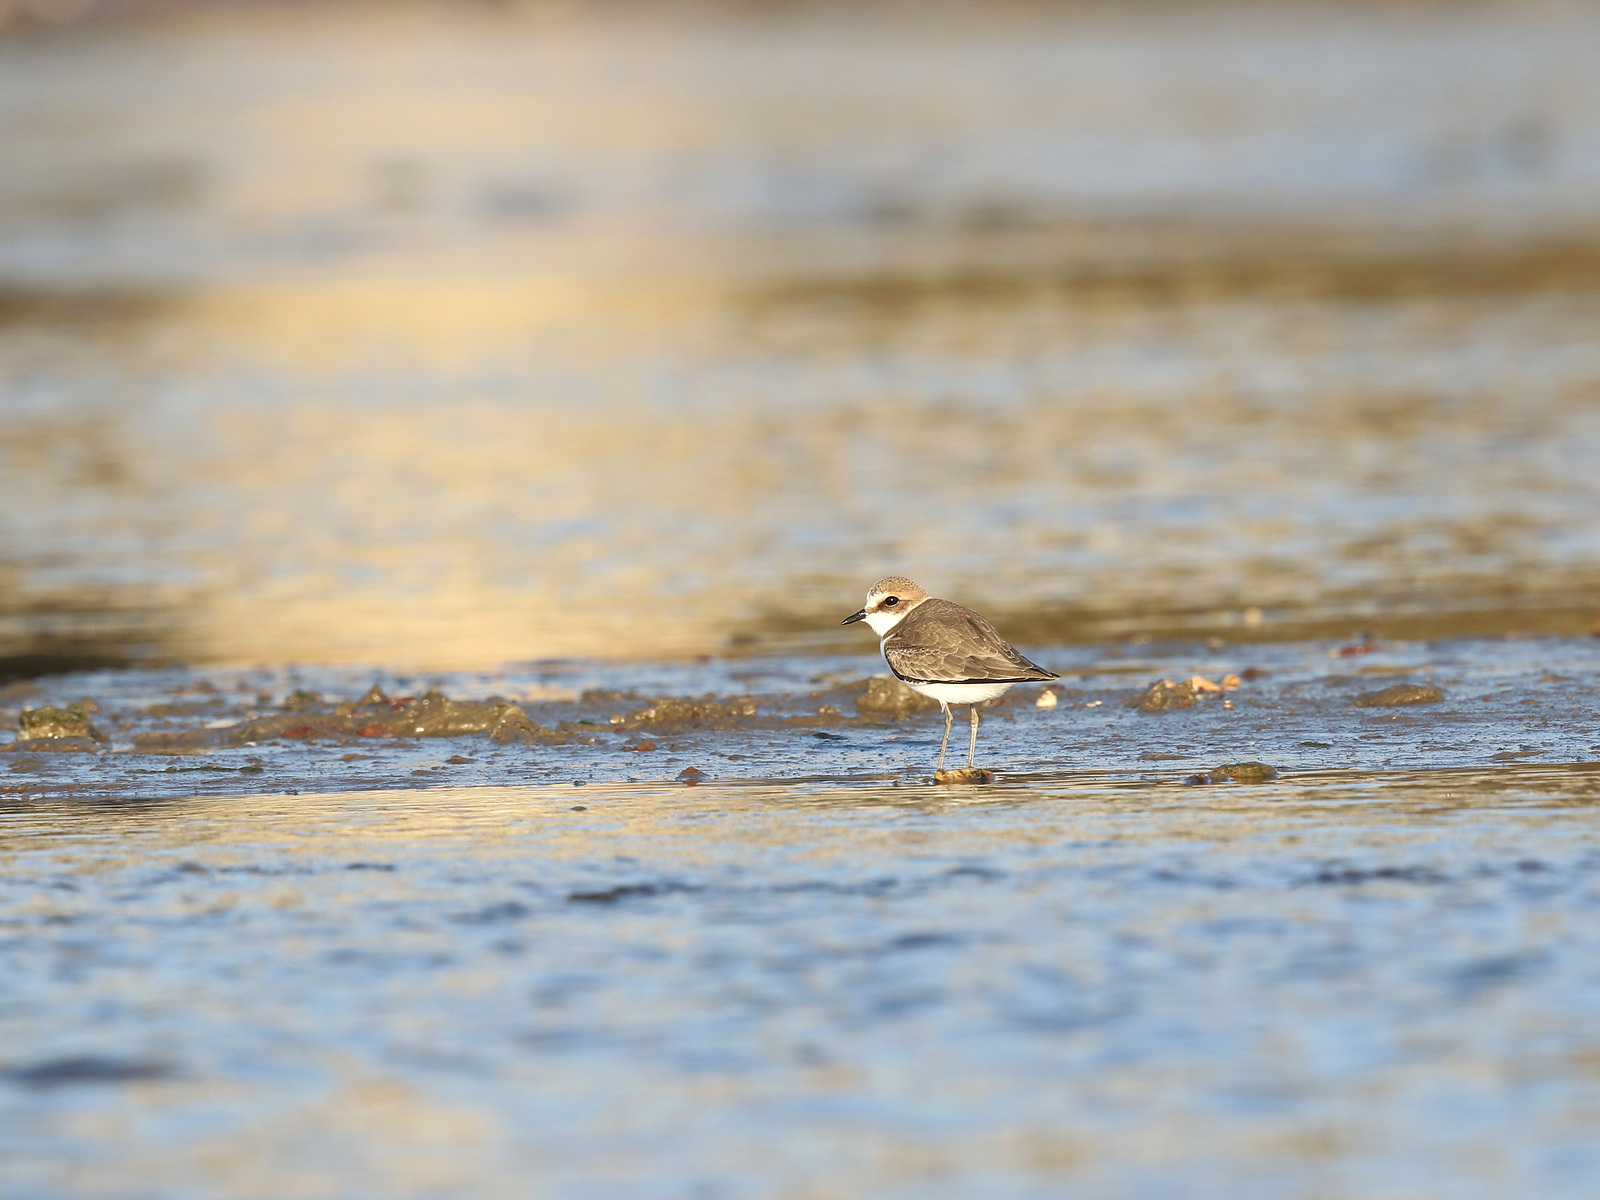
[(1230, 683), (1201, 684), (1047, 699)]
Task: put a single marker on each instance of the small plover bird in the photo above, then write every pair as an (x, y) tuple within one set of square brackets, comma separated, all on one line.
[(943, 651)]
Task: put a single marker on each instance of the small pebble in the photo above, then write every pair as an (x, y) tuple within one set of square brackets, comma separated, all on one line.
[(964, 775)]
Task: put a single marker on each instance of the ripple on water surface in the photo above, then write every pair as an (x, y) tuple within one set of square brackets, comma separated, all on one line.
[(1383, 982)]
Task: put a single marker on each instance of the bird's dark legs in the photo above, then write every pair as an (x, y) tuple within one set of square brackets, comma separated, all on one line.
[(972, 746), (945, 745)]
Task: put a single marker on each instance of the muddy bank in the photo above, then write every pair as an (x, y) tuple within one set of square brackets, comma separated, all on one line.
[(1159, 713)]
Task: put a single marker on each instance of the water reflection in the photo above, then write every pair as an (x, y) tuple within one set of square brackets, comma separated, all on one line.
[(657, 336)]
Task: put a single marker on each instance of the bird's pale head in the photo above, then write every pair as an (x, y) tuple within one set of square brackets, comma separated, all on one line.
[(888, 602)]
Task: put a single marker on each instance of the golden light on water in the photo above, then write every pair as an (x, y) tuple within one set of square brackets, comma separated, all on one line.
[(410, 345), (442, 336)]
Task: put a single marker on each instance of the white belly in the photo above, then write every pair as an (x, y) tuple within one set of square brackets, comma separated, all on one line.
[(960, 693)]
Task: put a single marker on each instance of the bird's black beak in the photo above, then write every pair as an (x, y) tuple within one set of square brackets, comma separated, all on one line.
[(854, 617)]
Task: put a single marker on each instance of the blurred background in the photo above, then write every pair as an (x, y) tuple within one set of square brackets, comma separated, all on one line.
[(443, 335)]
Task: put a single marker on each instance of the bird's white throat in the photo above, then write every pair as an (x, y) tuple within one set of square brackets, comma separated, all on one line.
[(886, 619)]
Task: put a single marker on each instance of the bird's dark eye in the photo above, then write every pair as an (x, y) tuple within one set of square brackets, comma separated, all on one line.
[(891, 601)]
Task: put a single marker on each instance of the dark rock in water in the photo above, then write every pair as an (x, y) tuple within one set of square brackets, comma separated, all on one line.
[(188, 708), (265, 729), (513, 725), (187, 741), (432, 714), (964, 775), (1165, 694), (886, 696), (630, 891), (55, 745), (63, 1072), (1399, 694), (697, 714), (1243, 772), (691, 775), (35, 724)]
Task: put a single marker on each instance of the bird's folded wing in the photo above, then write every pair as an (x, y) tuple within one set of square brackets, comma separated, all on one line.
[(935, 656)]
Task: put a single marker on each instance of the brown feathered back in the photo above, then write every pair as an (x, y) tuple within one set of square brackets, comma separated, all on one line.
[(942, 642)]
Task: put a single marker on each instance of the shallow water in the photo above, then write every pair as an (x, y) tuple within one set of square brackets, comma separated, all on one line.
[(1373, 984), (329, 963)]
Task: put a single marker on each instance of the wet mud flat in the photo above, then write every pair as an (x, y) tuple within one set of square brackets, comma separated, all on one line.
[(1162, 713)]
